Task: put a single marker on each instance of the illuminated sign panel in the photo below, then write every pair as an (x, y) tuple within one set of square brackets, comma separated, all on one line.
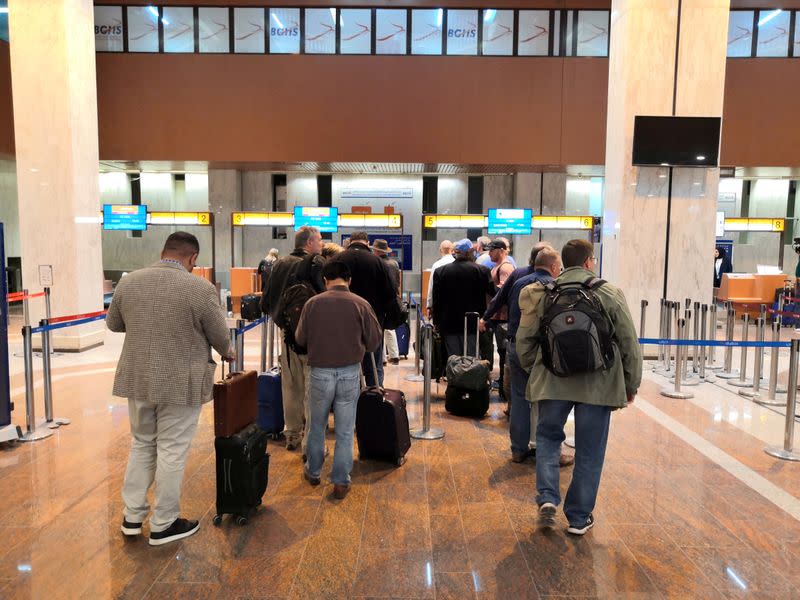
[(125, 217)]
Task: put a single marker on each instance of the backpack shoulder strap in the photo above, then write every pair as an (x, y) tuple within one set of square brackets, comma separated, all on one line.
[(592, 283)]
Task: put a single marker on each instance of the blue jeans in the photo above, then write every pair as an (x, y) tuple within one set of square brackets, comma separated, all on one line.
[(339, 387), (366, 365), (522, 414), (591, 435)]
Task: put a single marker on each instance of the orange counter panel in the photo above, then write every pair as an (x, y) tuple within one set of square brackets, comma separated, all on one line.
[(750, 288), (243, 281)]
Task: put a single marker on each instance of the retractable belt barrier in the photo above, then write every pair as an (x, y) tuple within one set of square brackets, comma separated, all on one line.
[(20, 296), (725, 343), (34, 433), (237, 341), (417, 375)]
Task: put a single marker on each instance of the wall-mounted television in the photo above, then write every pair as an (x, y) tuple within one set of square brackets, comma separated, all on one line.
[(676, 141), (324, 218), (510, 221), (125, 217)]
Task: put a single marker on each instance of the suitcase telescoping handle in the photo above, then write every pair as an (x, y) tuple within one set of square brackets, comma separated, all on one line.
[(374, 370), (477, 331)]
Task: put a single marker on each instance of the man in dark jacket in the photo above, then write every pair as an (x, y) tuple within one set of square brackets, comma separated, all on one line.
[(458, 288), (371, 280), (294, 366)]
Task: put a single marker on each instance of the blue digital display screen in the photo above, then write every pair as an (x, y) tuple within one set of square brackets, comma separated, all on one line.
[(125, 217), (324, 218), (510, 221)]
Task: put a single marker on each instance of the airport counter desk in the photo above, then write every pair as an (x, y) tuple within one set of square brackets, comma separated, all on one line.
[(747, 291)]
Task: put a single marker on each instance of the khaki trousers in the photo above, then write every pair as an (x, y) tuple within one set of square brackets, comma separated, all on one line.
[(294, 374), (162, 435)]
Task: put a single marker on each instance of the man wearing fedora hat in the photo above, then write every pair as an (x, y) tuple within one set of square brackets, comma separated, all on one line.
[(380, 248)]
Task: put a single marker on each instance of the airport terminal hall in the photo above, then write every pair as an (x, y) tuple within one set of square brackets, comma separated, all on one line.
[(399, 299)]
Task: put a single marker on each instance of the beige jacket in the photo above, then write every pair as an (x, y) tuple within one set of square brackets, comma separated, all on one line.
[(171, 319)]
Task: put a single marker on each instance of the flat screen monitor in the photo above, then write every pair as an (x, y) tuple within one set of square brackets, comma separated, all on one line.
[(324, 218), (510, 221), (125, 217), (676, 141)]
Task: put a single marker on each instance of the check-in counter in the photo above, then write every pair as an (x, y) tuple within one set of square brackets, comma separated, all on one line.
[(244, 280), (749, 290), (206, 273), (426, 283)]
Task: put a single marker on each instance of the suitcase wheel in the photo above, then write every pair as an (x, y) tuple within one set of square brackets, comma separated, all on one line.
[(217, 520), (241, 520), (400, 461)]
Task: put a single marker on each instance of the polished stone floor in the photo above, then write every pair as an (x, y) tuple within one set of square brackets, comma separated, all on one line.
[(688, 508)]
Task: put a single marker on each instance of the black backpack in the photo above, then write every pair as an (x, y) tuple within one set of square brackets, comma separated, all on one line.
[(294, 297), (575, 333)]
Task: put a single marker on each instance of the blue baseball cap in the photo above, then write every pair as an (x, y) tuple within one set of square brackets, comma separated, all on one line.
[(464, 245)]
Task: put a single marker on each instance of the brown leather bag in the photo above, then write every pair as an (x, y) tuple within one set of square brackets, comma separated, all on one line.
[(235, 403)]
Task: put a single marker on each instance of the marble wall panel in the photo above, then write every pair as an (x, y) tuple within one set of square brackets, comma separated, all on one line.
[(225, 197), (9, 207), (55, 129)]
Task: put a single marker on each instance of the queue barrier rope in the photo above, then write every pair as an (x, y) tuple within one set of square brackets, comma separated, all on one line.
[(62, 323), (718, 343), (20, 296), (251, 325)]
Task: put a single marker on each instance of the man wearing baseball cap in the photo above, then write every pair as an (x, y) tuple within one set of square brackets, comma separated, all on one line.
[(458, 288)]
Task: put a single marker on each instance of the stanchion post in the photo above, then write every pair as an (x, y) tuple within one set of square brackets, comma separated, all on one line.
[(32, 433), (240, 345), (417, 374), (660, 358), (754, 393), (787, 451), (263, 355), (234, 364), (703, 374), (679, 367), (51, 421), (742, 381), (271, 342), (427, 432), (772, 394), (696, 333), (643, 318), (727, 368), (26, 315), (712, 333)]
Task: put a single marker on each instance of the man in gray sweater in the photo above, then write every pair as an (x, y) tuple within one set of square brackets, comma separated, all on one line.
[(338, 328)]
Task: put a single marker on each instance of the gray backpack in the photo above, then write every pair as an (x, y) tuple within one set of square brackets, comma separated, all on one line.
[(575, 333)]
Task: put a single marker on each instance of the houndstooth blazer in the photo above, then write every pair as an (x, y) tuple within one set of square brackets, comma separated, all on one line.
[(171, 319)]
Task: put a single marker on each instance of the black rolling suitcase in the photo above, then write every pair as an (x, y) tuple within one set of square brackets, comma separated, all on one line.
[(382, 427), (242, 473), (467, 393)]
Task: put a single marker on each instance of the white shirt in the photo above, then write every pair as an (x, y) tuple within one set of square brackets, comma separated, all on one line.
[(445, 260)]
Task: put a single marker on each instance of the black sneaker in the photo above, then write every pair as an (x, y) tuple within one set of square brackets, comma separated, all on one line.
[(310, 478), (180, 528), (582, 529), (547, 514), (129, 528)]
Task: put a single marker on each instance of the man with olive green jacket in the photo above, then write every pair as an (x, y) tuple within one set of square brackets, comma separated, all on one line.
[(592, 395)]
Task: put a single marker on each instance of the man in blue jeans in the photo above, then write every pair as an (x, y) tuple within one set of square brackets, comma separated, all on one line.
[(592, 394), (523, 416), (338, 328)]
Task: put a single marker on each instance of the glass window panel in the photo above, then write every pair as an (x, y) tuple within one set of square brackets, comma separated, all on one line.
[(320, 30), (142, 29), (462, 32), (390, 31), (568, 34), (4, 20), (773, 33), (284, 30), (498, 32), (108, 29), (592, 33), (178, 29), (534, 32), (556, 32), (248, 31), (740, 33), (356, 31), (215, 31), (426, 31)]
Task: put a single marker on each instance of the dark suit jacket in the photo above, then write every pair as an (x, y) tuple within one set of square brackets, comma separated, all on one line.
[(370, 279), (458, 288)]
